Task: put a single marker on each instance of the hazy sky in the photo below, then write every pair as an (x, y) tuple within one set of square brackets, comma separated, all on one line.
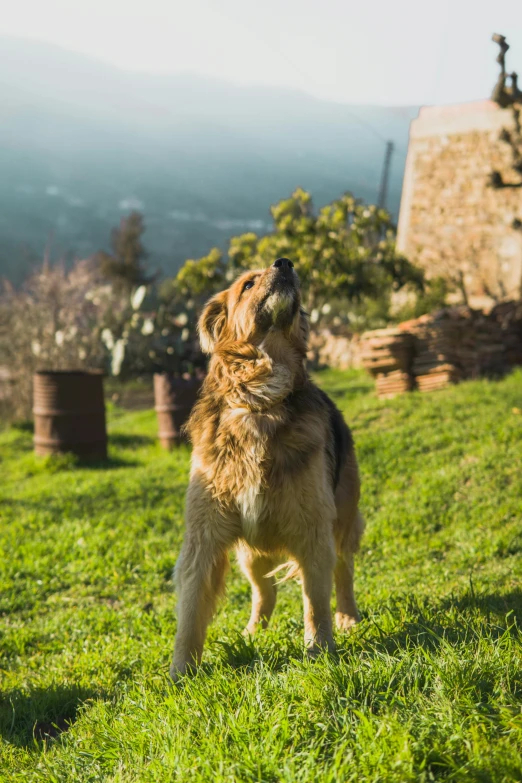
[(380, 51)]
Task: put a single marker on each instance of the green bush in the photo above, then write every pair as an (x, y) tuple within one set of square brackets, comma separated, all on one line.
[(344, 251)]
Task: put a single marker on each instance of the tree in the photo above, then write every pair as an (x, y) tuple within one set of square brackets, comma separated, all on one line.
[(55, 320), (124, 268), (345, 250), (197, 278)]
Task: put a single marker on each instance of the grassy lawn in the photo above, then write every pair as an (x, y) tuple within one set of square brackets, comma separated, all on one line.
[(428, 687)]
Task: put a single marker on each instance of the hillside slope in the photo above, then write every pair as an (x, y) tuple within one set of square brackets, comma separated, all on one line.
[(82, 142), (428, 687)]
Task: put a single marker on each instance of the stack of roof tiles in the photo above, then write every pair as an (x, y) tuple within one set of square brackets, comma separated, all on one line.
[(387, 354), (443, 348), (509, 316), (453, 344)]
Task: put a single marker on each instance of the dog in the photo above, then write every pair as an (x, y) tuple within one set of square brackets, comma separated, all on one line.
[(274, 472)]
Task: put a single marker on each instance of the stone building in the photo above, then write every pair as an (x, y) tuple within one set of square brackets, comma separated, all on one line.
[(461, 207)]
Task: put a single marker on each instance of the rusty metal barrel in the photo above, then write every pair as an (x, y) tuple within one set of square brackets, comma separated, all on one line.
[(174, 399), (69, 413)]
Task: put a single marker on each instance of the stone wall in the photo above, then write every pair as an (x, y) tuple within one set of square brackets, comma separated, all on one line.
[(452, 222), (338, 351)]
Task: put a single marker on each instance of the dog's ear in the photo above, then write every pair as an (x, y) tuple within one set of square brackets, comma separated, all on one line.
[(212, 321)]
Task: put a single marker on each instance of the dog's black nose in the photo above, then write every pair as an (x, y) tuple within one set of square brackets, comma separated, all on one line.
[(283, 263)]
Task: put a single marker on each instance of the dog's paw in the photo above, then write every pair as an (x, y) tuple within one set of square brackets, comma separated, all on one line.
[(345, 622), (254, 626), (314, 649), (177, 672)]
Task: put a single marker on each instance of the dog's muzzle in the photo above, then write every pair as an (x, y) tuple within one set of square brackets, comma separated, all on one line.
[(281, 300), (283, 264), (284, 279)]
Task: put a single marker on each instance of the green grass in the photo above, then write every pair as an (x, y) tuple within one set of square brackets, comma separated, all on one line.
[(428, 687)]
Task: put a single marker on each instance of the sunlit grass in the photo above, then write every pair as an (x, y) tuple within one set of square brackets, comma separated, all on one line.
[(428, 686)]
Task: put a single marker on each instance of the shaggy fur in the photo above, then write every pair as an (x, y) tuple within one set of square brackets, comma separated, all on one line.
[(274, 473)]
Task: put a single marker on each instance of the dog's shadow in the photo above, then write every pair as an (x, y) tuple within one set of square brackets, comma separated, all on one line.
[(427, 626), (430, 626), (34, 717), (488, 604), (246, 652)]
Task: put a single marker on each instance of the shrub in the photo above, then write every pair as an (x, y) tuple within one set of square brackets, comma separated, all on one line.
[(344, 251), (53, 321)]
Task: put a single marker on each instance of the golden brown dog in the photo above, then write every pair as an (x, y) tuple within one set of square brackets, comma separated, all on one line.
[(273, 472)]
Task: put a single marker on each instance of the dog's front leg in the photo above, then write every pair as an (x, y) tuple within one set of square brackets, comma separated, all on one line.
[(200, 578), (317, 566)]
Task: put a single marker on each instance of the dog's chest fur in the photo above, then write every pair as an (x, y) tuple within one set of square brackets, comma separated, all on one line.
[(253, 440), (257, 459), (251, 503), (242, 479)]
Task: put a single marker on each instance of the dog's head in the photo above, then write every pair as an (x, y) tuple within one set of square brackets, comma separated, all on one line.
[(258, 304)]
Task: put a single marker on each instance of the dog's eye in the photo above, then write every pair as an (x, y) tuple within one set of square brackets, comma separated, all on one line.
[(248, 284)]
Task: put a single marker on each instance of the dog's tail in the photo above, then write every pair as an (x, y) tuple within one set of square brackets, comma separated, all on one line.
[(292, 571)]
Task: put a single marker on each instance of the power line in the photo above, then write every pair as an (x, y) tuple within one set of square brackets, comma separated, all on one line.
[(307, 77)]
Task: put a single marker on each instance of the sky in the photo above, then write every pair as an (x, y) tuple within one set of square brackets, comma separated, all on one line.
[(400, 52)]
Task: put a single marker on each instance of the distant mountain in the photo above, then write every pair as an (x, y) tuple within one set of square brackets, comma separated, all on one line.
[(82, 143)]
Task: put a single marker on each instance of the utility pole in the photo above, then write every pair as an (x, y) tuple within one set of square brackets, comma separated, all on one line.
[(383, 190)]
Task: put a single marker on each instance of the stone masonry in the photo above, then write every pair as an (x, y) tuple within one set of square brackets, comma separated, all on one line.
[(452, 221)]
